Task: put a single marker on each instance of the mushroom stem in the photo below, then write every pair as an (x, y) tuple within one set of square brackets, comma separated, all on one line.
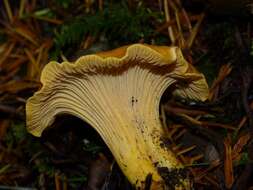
[(119, 97)]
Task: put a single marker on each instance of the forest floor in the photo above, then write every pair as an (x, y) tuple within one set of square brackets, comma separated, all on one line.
[(213, 139)]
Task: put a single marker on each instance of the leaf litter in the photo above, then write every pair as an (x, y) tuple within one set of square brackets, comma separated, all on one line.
[(212, 139)]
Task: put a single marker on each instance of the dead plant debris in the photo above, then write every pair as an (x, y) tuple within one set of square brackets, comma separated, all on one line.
[(212, 139)]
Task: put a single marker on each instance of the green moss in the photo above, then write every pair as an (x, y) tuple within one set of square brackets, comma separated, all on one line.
[(63, 3), (119, 24)]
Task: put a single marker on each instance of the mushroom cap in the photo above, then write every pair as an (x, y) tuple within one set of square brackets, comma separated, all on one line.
[(192, 85), (165, 60), (118, 93)]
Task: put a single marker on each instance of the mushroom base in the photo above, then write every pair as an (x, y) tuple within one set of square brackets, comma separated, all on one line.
[(151, 164)]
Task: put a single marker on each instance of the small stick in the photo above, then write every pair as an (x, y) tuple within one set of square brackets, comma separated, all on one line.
[(100, 5), (21, 8), (65, 184), (164, 26), (186, 150), (241, 124), (176, 12), (15, 188), (228, 163), (51, 20), (167, 17), (7, 52), (8, 10), (8, 109), (57, 181), (195, 158), (179, 110), (195, 31), (186, 17)]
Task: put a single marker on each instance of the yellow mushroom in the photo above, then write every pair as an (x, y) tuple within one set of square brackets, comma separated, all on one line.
[(118, 94)]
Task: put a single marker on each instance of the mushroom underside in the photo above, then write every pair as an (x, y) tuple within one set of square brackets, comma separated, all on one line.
[(120, 100)]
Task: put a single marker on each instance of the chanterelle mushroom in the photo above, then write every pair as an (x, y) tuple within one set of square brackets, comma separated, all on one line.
[(118, 93)]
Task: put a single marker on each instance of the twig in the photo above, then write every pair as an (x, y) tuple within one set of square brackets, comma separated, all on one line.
[(212, 136), (180, 32), (164, 26), (2, 187), (228, 163), (213, 165), (57, 181), (195, 158), (195, 31), (186, 150), (241, 124), (194, 121), (178, 110), (65, 184), (4, 168), (7, 52), (34, 65), (224, 71), (212, 181), (244, 178), (167, 18), (160, 5), (21, 8), (100, 5), (51, 20), (8, 110), (8, 10), (186, 17)]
